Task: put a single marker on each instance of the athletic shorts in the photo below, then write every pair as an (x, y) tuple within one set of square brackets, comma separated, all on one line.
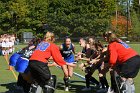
[(13, 59), (10, 44), (3, 44), (130, 68), (70, 59), (40, 72), (22, 65)]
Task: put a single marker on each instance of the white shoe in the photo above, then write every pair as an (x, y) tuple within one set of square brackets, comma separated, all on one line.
[(66, 88), (102, 90), (110, 90), (86, 89)]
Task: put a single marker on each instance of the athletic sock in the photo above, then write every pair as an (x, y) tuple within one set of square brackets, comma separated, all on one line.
[(105, 82), (66, 81), (87, 81), (113, 84), (102, 82)]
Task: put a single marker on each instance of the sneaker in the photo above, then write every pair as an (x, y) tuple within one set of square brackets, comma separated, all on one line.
[(97, 86), (86, 89), (66, 88), (102, 90), (110, 90), (33, 88)]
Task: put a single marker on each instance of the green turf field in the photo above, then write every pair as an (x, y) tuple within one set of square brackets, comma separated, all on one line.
[(8, 81)]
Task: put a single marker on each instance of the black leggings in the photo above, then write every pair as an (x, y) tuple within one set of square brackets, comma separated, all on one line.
[(89, 78), (23, 83), (40, 72)]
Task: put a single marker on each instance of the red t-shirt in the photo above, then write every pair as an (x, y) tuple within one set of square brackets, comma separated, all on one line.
[(45, 50), (120, 52)]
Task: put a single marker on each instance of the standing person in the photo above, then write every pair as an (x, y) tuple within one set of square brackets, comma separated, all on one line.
[(5, 49), (13, 42), (10, 45), (67, 51), (39, 59), (124, 58)]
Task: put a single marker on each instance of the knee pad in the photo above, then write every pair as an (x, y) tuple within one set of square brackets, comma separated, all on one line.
[(50, 87), (13, 59), (22, 65), (127, 86)]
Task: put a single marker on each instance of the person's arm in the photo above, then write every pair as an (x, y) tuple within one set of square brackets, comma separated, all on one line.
[(73, 48), (50, 64), (112, 54), (60, 47), (104, 56), (88, 53), (57, 57)]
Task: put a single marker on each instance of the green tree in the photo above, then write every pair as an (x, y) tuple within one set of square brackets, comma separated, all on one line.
[(87, 17), (135, 24), (38, 14), (136, 7)]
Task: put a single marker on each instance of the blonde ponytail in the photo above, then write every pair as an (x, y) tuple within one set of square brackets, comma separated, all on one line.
[(49, 37)]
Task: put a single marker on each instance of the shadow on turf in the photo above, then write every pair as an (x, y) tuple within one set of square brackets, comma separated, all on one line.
[(11, 88), (75, 88)]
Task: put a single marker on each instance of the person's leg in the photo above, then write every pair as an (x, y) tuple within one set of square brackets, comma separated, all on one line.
[(66, 79), (7, 58), (40, 73), (102, 75), (129, 70), (50, 87), (128, 86), (87, 77), (113, 84), (103, 81), (5, 54), (92, 79), (70, 71), (20, 80)]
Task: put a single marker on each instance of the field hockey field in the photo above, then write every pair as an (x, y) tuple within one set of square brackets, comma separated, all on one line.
[(8, 78)]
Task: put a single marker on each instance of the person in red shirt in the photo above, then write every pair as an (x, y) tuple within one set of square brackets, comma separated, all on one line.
[(124, 58), (39, 59)]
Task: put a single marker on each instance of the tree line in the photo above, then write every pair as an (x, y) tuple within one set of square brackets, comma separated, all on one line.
[(73, 18)]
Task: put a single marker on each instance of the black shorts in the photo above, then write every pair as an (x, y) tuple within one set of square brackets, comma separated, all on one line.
[(130, 68), (40, 72)]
